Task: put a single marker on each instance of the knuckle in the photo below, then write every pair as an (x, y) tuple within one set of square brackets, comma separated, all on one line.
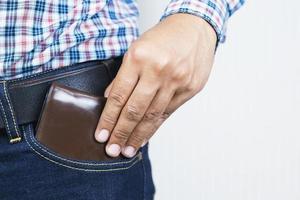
[(132, 113), (161, 65), (107, 119), (163, 61), (138, 52), (194, 88), (158, 68), (191, 87), (117, 99), (180, 74), (136, 140), (152, 116), (165, 115), (121, 134)]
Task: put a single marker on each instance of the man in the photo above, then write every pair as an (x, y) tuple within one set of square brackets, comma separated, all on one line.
[(160, 70)]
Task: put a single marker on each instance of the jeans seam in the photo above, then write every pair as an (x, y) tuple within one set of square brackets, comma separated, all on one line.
[(144, 172), (134, 160), (10, 108), (5, 119)]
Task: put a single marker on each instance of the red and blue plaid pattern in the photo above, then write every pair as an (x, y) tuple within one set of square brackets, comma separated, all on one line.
[(37, 35), (216, 12)]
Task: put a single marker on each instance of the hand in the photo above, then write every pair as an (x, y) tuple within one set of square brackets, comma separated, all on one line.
[(161, 70)]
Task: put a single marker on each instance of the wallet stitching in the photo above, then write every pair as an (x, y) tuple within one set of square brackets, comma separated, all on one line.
[(133, 160), (10, 108)]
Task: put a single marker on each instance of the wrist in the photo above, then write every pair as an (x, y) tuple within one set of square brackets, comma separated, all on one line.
[(193, 24)]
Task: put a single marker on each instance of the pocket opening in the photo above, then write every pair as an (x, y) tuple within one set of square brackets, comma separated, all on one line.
[(94, 166)]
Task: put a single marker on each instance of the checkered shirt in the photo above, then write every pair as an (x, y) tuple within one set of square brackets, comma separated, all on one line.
[(39, 35)]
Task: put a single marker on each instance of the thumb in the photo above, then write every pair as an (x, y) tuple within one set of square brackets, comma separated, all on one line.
[(107, 90)]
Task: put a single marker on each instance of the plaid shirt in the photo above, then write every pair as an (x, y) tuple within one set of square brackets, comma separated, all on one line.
[(38, 35)]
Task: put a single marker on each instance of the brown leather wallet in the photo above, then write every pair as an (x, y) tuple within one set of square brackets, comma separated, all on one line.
[(68, 121)]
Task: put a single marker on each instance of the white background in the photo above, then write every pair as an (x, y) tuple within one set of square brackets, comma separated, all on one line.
[(239, 139)]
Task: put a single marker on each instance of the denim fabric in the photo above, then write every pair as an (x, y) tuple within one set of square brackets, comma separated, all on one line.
[(30, 171)]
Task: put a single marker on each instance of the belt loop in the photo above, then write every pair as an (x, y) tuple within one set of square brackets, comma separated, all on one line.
[(8, 114)]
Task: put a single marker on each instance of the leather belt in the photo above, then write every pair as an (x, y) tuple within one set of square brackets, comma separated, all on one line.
[(27, 93)]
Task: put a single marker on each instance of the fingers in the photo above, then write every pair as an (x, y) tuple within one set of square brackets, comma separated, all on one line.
[(163, 105), (178, 98), (150, 122), (121, 89), (130, 116), (134, 111)]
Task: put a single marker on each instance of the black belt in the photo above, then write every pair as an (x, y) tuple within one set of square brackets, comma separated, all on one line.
[(28, 93)]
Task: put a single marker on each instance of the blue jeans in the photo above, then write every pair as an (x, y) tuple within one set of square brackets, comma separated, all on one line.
[(30, 171)]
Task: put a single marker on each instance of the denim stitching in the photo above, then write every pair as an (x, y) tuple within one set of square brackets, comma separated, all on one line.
[(76, 168), (144, 171), (10, 108), (81, 169), (5, 119), (75, 162)]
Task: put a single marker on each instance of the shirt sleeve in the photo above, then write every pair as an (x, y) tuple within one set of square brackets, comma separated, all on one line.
[(215, 12)]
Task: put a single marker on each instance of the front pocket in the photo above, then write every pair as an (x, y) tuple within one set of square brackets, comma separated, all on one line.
[(93, 166)]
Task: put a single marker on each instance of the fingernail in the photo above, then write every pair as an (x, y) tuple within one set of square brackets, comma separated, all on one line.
[(129, 151), (102, 136), (113, 150), (106, 93)]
